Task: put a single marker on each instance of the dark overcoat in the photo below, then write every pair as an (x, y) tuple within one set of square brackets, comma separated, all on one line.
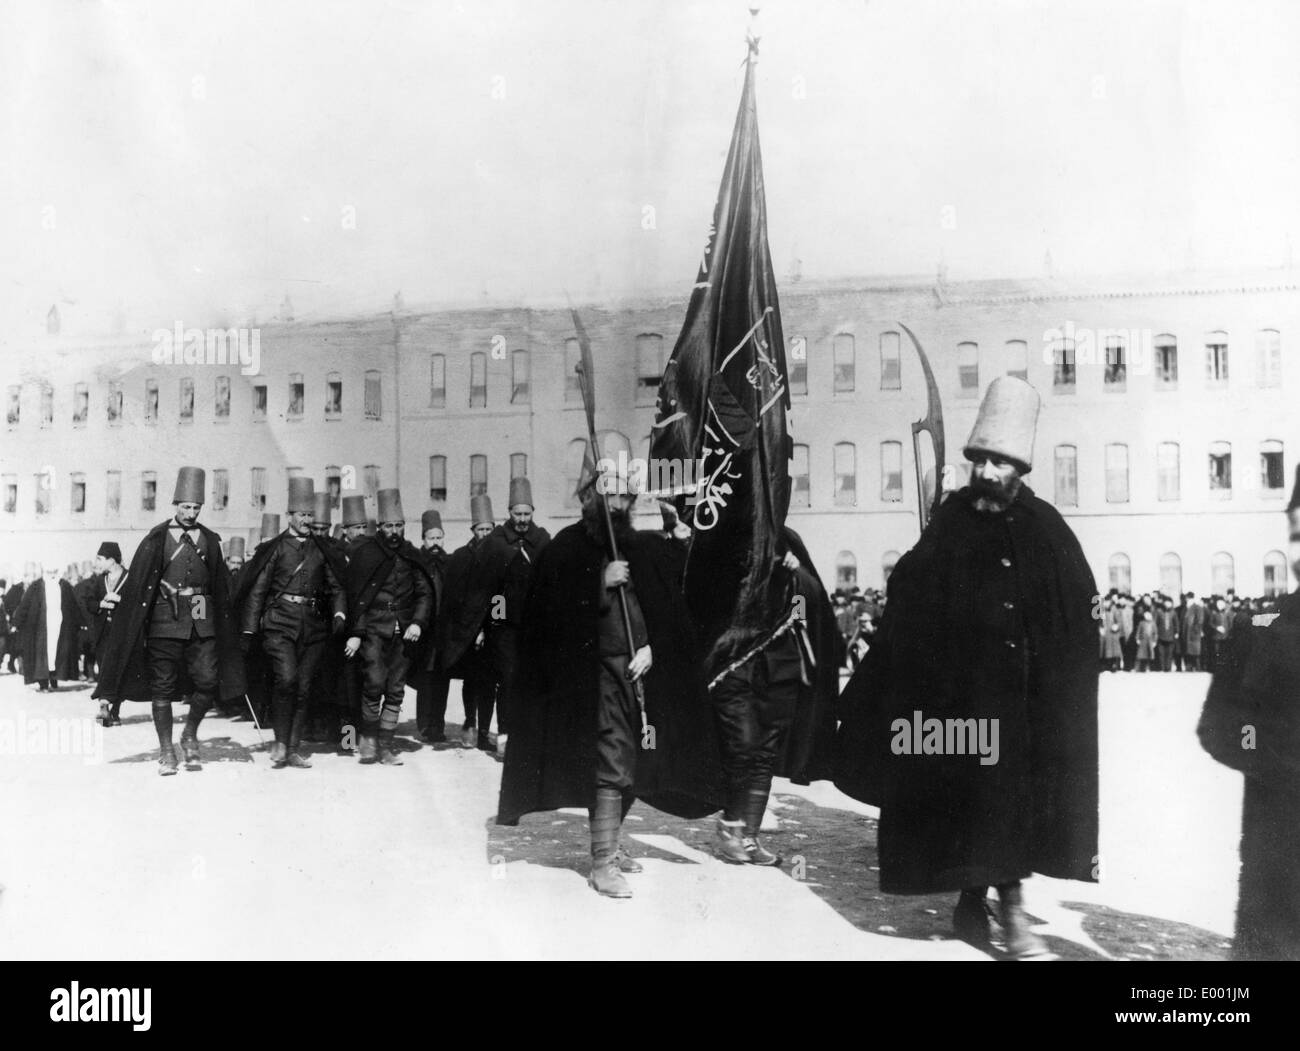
[(370, 564), (807, 754), (124, 670), (1251, 722), (950, 821), (33, 645), (465, 607), (551, 761)]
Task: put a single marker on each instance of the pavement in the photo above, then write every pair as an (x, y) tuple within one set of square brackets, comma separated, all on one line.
[(100, 858)]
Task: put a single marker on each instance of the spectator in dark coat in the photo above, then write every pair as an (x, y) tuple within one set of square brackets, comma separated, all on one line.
[(50, 633)]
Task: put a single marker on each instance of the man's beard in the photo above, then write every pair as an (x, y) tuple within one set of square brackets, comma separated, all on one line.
[(994, 496), (393, 540), (593, 519)]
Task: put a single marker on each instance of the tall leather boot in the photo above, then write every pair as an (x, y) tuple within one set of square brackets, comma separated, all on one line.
[(162, 723), (606, 818), (1021, 942), (387, 753), (755, 804), (292, 758), (190, 735), (368, 744)]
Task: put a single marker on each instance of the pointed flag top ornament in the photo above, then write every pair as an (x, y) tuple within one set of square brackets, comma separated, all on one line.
[(723, 403)]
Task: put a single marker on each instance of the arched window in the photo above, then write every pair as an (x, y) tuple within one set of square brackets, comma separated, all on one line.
[(1268, 344), (477, 380), (1067, 476), (1221, 469), (891, 367), (438, 381), (1018, 358), (478, 478), (1168, 480), (1272, 480), (846, 570), (846, 474), (1120, 570), (333, 396), (800, 485), (1166, 351), (887, 563), (1216, 359), (1115, 363), (374, 395), (438, 478), (845, 363), (968, 369), (1117, 473), (518, 465), (1171, 574), (1223, 573), (891, 472), (520, 378), (1063, 366), (1275, 581)]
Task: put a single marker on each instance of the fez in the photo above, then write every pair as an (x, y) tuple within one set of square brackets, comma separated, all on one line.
[(354, 510), (301, 492), (320, 509), (521, 492), (390, 506), (190, 485), (480, 510)]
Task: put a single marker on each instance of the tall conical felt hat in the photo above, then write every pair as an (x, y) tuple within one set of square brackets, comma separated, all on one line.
[(390, 506), (190, 486), (270, 526), (1006, 423), (431, 519), (235, 547), (320, 509), (521, 492), (254, 537), (1295, 493), (301, 492), (480, 510), (354, 510)]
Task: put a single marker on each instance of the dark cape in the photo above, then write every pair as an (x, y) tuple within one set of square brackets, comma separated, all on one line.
[(807, 753), (370, 564), (1251, 722), (124, 673), (551, 761), (33, 645), (947, 821)]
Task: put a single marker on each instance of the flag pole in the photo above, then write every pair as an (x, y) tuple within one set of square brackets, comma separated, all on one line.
[(589, 404)]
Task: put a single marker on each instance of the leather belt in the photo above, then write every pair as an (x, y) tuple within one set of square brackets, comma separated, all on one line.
[(298, 599), (188, 592)]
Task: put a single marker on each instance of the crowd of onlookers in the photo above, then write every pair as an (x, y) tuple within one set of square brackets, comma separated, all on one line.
[(857, 613), (1156, 632), (77, 654)]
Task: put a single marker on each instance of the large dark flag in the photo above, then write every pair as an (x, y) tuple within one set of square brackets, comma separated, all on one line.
[(722, 409)]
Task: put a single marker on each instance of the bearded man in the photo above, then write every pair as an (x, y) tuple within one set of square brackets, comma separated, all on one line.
[(988, 630)]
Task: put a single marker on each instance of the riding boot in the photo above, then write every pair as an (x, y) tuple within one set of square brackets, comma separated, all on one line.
[(1021, 942), (295, 739), (162, 723), (606, 818), (387, 753), (755, 804)]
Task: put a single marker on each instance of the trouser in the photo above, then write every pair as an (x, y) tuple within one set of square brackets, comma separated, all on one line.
[(1191, 662), (293, 671), (384, 663), (431, 702), (86, 654), (618, 728), (503, 645), (1165, 653), (478, 689), (168, 659), (753, 713)]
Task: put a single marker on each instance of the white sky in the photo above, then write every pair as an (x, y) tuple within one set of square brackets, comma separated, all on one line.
[(1123, 136)]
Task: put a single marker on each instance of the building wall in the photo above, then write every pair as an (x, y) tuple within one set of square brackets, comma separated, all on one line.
[(544, 425)]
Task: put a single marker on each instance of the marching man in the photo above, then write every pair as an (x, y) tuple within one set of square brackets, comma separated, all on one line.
[(175, 625), (390, 595), (292, 585)]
